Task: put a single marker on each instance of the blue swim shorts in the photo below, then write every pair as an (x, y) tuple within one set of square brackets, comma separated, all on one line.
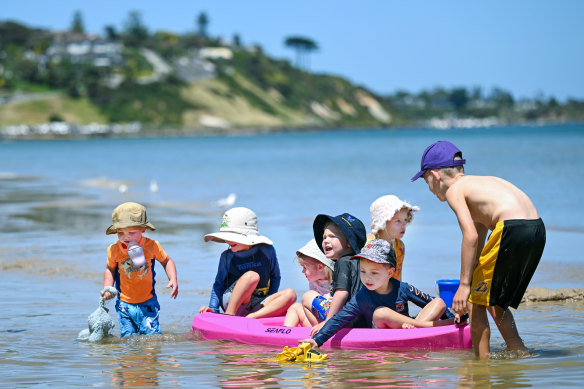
[(139, 318), (321, 307)]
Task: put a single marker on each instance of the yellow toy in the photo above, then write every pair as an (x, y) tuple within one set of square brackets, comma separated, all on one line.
[(302, 353)]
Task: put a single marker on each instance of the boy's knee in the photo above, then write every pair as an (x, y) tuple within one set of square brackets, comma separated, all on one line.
[(307, 298), (440, 303), (250, 277), (378, 313), (290, 294)]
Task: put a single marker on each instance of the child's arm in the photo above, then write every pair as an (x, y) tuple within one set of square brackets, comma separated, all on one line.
[(468, 251), (108, 280), (275, 277), (218, 286), (348, 312), (170, 268)]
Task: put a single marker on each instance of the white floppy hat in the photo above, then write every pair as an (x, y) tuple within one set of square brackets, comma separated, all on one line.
[(312, 250), (239, 225), (384, 208)]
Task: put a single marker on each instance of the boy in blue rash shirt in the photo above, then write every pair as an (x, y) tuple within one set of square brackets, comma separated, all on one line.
[(383, 300), (248, 276)]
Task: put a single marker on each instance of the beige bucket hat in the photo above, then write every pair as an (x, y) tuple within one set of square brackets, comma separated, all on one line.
[(129, 215), (312, 250), (239, 225)]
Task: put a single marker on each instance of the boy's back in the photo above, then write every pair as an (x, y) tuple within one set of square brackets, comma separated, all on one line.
[(490, 200)]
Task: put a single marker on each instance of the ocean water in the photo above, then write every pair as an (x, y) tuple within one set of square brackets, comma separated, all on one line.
[(56, 199)]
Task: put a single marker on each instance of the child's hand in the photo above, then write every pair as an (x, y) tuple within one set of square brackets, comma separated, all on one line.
[(314, 330), (106, 295), (205, 308), (311, 341), (174, 285)]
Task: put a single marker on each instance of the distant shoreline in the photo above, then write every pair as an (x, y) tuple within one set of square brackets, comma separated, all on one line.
[(248, 131)]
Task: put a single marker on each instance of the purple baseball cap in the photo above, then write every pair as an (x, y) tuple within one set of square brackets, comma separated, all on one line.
[(438, 155)]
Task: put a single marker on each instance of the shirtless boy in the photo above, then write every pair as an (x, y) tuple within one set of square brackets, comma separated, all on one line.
[(495, 275)]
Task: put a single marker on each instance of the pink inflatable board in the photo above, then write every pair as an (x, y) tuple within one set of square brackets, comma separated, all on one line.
[(269, 331)]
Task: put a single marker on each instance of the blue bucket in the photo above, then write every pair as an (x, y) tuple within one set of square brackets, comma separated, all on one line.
[(447, 289)]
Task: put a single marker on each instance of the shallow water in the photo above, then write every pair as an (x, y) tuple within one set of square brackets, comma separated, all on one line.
[(56, 199)]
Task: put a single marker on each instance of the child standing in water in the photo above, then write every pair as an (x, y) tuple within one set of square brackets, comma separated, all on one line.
[(318, 270), (137, 305), (248, 276), (389, 219), (493, 276)]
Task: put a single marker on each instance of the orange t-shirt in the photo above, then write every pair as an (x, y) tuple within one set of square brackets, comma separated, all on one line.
[(400, 253), (135, 285)]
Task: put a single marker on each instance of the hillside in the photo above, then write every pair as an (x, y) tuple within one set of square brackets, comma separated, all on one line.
[(191, 83)]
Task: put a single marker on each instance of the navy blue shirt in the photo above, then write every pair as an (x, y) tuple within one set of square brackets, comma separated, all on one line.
[(366, 301), (260, 258)]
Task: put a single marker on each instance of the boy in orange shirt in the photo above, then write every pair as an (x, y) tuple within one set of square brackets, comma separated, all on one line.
[(137, 305)]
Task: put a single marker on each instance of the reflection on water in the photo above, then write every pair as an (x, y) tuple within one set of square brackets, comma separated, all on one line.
[(56, 202)]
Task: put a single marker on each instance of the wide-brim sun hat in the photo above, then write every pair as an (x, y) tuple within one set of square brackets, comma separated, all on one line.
[(239, 225), (350, 226), (312, 250), (384, 209), (129, 215)]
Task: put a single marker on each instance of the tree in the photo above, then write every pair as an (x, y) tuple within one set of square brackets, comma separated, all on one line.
[(111, 33), (303, 47), (77, 23), (459, 98), (236, 41), (135, 32), (202, 22)]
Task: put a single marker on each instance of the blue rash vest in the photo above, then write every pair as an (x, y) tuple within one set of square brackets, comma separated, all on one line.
[(366, 301), (260, 258)]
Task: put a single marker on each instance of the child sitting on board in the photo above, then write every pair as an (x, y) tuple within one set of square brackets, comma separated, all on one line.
[(318, 270), (338, 237), (137, 306), (248, 276), (389, 219), (383, 300)]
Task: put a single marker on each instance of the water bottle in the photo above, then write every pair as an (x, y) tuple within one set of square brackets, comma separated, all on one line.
[(136, 254)]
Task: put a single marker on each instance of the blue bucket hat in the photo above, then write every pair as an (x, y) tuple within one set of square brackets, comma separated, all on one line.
[(350, 226), (438, 155)]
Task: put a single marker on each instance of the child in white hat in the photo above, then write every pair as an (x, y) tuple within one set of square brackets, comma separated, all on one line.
[(389, 218), (318, 270), (248, 276)]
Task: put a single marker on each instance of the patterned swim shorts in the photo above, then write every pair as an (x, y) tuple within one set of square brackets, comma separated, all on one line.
[(321, 307)]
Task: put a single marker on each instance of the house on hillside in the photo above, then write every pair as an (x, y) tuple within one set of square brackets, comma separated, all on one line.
[(79, 48)]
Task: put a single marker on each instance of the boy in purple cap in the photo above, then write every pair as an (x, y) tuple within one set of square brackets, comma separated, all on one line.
[(383, 300), (495, 275)]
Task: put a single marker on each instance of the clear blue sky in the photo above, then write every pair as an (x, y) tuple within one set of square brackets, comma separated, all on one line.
[(527, 47)]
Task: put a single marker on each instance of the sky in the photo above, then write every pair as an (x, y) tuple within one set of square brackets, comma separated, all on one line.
[(531, 48)]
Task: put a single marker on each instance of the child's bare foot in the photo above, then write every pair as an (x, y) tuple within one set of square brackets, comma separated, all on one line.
[(408, 326)]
